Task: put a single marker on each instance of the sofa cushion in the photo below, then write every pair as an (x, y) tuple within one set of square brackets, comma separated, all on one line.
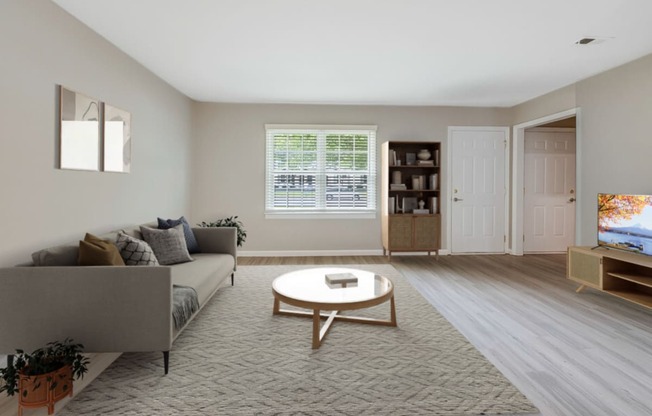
[(93, 251), (191, 241), (169, 245), (63, 255), (136, 252), (205, 274)]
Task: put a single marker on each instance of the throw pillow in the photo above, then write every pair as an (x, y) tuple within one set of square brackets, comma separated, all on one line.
[(191, 241), (135, 252), (169, 245), (93, 251), (63, 255)]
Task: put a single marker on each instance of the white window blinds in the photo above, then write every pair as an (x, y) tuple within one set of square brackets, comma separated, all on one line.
[(320, 169)]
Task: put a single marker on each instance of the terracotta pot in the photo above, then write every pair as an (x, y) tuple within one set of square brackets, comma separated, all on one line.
[(31, 396)]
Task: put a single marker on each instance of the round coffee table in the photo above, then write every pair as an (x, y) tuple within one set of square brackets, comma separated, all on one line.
[(309, 289)]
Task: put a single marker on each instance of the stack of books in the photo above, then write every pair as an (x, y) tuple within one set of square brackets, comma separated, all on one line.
[(392, 157), (397, 187), (418, 182), (426, 162)]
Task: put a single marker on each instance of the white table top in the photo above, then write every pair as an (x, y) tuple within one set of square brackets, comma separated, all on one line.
[(310, 285)]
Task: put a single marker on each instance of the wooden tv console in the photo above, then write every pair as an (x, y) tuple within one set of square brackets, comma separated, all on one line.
[(622, 274)]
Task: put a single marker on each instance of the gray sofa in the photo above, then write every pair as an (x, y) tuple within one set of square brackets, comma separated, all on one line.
[(107, 308)]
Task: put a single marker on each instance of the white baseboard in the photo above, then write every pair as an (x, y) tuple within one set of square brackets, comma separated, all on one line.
[(320, 253), (308, 253)]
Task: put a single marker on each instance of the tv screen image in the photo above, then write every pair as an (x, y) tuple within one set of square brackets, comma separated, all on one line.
[(625, 222)]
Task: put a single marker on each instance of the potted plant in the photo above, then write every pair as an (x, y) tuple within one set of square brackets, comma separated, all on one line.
[(229, 222), (44, 376)]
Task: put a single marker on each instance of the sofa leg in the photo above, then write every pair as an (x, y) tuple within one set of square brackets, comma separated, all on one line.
[(232, 278), (166, 360)]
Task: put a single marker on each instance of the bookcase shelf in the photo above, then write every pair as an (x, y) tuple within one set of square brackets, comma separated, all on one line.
[(404, 227)]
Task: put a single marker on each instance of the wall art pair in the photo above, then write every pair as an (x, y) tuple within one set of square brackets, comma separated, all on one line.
[(93, 135)]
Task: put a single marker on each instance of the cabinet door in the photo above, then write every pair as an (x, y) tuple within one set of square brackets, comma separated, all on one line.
[(426, 232), (400, 232), (584, 267)]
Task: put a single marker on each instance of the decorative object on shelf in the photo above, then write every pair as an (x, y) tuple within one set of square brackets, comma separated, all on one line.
[(409, 204), (117, 140), (392, 158), (422, 204), (424, 154), (433, 182), (410, 159), (433, 205), (396, 177), (391, 207), (44, 376), (416, 182), (79, 131), (229, 222)]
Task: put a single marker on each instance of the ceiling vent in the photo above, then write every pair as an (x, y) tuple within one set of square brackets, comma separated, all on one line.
[(592, 40)]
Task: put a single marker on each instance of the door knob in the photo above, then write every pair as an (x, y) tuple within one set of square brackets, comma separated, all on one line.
[(457, 199), (571, 200)]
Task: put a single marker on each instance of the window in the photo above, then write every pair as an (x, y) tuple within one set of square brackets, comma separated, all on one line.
[(321, 171)]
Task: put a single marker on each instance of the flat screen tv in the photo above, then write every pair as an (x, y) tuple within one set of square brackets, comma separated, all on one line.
[(625, 222)]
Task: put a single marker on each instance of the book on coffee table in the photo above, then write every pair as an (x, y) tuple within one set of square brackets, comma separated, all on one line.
[(339, 278)]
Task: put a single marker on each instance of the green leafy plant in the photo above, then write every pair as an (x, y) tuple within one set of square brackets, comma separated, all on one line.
[(52, 357), (229, 222)]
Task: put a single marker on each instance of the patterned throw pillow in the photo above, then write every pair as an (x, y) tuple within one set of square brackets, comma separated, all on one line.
[(168, 245), (135, 252), (191, 241)]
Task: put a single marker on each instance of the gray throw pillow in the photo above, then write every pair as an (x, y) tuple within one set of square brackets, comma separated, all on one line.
[(191, 241), (135, 252), (169, 245), (64, 255)]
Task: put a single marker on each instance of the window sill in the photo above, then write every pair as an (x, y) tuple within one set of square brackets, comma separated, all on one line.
[(345, 215)]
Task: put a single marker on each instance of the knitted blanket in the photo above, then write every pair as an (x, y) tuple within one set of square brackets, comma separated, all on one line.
[(184, 305)]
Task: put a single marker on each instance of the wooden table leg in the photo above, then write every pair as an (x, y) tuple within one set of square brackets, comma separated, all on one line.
[(392, 312), (316, 321), (579, 289), (277, 306)]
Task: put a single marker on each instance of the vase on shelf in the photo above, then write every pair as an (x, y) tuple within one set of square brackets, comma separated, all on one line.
[(424, 154)]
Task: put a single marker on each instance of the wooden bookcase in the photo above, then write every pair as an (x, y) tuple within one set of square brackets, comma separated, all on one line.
[(403, 229), (619, 273)]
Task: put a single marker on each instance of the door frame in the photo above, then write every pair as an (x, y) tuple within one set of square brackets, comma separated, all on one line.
[(518, 172), (449, 179)]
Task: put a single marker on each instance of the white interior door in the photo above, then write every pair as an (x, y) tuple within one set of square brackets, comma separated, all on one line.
[(478, 189), (549, 190)]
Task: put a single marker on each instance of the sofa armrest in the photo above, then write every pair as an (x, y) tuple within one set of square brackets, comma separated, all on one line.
[(108, 309), (218, 240)]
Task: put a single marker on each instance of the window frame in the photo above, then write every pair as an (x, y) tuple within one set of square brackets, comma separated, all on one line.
[(321, 211)]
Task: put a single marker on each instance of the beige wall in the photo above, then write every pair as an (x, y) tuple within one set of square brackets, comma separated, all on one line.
[(43, 46), (614, 124), (616, 137), (553, 102), (229, 165)]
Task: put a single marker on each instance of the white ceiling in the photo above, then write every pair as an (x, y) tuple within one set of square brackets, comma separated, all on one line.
[(387, 52)]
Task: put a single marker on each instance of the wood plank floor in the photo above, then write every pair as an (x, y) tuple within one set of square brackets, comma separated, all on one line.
[(586, 354)]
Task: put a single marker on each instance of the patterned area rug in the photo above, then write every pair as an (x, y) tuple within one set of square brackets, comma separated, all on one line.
[(236, 358)]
